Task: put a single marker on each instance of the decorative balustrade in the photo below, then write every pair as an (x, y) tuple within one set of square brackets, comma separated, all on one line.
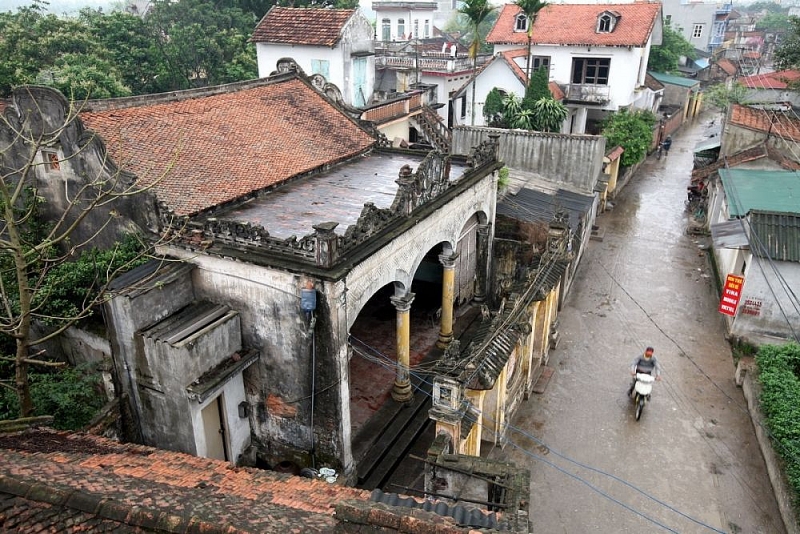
[(429, 62), (599, 94)]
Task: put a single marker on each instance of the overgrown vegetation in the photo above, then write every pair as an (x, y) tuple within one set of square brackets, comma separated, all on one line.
[(666, 56), (97, 54), (633, 131), (779, 376), (721, 96), (538, 110), (502, 178), (72, 395)]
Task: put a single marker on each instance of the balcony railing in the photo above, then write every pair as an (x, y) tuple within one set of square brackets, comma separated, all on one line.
[(395, 108), (597, 94), (428, 62)]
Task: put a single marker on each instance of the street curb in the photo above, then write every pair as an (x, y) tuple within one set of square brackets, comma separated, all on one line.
[(751, 390)]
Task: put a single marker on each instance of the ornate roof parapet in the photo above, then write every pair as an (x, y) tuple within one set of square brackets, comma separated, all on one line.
[(485, 152), (415, 189), (324, 247)]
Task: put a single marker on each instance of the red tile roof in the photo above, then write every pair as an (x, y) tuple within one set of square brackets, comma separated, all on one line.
[(303, 26), (771, 80), (727, 66), (216, 148), (776, 123), (163, 485), (574, 24), (54, 481)]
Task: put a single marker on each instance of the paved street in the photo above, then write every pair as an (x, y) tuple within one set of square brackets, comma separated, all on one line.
[(692, 464)]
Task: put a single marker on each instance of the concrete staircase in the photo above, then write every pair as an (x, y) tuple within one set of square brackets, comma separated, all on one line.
[(433, 129), (384, 441)]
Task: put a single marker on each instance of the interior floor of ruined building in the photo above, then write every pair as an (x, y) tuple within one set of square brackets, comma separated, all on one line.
[(372, 372)]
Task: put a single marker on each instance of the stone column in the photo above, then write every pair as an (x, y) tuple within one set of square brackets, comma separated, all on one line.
[(482, 263), (401, 392), (448, 291)]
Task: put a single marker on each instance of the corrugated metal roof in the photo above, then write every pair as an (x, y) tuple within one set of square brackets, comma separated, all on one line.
[(674, 80), (538, 206), (729, 234), (778, 235), (488, 353), (771, 191)]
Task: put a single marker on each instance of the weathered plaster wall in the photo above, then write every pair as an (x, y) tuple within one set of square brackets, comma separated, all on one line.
[(765, 315), (127, 312), (737, 138), (570, 160), (279, 384), (44, 113)]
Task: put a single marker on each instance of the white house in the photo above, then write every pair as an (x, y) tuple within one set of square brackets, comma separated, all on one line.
[(701, 22), (596, 52), (410, 19), (335, 43), (505, 71)]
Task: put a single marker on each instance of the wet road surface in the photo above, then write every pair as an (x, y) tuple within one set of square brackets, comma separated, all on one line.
[(692, 463)]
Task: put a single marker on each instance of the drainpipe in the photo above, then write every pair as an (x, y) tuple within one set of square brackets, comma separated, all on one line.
[(308, 303)]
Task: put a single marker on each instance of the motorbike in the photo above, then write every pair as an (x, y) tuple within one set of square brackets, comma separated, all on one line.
[(641, 392)]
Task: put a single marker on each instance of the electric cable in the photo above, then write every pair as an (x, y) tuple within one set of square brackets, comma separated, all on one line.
[(388, 363)]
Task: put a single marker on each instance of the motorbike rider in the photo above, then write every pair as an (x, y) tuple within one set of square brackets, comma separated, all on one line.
[(648, 364)]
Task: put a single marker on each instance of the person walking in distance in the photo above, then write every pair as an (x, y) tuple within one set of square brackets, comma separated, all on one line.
[(666, 144), (647, 363)]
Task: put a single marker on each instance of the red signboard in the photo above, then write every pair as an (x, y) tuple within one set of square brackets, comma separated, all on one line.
[(731, 294)]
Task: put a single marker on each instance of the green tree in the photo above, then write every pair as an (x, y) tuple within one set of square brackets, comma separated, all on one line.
[(775, 22), (32, 41), (549, 115), (84, 76), (666, 56), (787, 55), (531, 8), (129, 45), (721, 96), (493, 109), (538, 88), (197, 42), (766, 5), (476, 12), (36, 254), (523, 120), (633, 131)]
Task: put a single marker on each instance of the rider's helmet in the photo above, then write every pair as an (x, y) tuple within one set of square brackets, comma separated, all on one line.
[(648, 352)]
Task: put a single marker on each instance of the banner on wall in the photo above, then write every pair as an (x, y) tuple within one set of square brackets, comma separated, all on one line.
[(731, 293)]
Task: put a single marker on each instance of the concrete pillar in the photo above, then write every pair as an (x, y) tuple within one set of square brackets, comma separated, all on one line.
[(401, 392), (448, 292), (482, 259)]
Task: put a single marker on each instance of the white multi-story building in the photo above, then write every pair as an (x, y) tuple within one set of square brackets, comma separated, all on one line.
[(597, 54)]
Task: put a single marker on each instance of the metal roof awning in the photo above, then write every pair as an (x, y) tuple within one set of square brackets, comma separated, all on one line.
[(729, 234), (707, 144)]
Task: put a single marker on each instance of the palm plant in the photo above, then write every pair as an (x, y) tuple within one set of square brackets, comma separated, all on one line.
[(549, 114), (476, 12), (531, 8)]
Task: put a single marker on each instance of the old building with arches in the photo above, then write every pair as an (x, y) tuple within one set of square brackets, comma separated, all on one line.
[(286, 226)]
